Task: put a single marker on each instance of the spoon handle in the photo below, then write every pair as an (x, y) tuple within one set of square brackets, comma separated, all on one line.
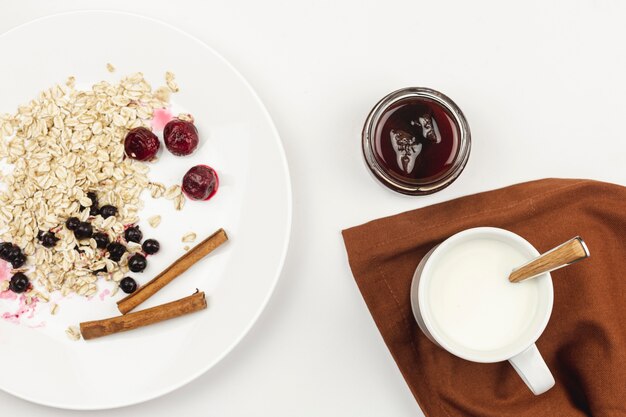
[(566, 254)]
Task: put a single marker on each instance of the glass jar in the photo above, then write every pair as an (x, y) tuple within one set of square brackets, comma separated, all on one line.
[(416, 141)]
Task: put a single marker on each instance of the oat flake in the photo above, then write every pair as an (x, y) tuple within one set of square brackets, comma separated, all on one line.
[(189, 237)]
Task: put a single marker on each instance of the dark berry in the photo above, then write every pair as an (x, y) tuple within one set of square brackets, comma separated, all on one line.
[(108, 211), (102, 240), (13, 252), (180, 137), (93, 209), (72, 223), (83, 231), (200, 182), (4, 250), (49, 240), (151, 246), (93, 197), (18, 260), (116, 250), (40, 235), (19, 283), (141, 144), (133, 234), (128, 285), (137, 263)]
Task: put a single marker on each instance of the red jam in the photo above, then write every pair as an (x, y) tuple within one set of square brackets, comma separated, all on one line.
[(416, 140)]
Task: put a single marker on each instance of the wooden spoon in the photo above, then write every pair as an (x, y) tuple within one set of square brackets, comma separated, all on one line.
[(565, 254)]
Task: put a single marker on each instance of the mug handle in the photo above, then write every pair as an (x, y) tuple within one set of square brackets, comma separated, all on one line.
[(533, 370)]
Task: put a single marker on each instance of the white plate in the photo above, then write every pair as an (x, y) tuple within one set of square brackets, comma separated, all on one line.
[(253, 205)]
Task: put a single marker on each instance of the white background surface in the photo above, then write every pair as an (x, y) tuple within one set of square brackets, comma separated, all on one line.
[(542, 85)]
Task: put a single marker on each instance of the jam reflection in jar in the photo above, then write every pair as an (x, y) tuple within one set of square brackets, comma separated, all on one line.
[(416, 141)]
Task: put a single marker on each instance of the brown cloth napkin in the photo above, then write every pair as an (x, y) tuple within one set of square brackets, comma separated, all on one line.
[(584, 344)]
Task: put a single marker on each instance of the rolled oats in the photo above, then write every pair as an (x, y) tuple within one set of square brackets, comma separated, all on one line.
[(154, 221), (156, 189), (172, 192), (63, 144), (186, 117), (169, 80), (179, 202), (189, 237), (73, 333)]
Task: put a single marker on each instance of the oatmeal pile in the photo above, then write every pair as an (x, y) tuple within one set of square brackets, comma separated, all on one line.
[(66, 144)]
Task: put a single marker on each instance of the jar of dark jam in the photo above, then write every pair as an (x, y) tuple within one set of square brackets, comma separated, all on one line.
[(416, 141)]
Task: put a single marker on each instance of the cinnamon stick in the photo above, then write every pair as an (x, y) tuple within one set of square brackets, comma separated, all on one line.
[(573, 250), (178, 267), (100, 328)]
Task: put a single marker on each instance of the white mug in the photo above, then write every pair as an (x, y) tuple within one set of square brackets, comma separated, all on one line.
[(523, 353)]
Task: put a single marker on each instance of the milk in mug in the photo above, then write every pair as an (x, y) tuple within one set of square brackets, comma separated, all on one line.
[(471, 301)]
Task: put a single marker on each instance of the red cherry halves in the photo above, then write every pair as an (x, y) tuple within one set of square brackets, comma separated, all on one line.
[(180, 137), (200, 182), (141, 144)]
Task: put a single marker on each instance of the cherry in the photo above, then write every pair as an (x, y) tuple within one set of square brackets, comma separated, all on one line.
[(128, 285), (13, 253), (137, 263), (49, 240), (200, 182), (19, 283), (107, 211), (18, 261), (5, 248), (93, 209), (141, 144), (102, 240), (116, 250), (151, 246), (133, 234), (180, 137), (72, 223), (84, 230)]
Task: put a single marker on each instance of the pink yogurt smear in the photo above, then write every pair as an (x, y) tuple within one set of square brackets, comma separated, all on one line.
[(24, 310), (5, 271), (160, 118), (104, 294), (5, 275)]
